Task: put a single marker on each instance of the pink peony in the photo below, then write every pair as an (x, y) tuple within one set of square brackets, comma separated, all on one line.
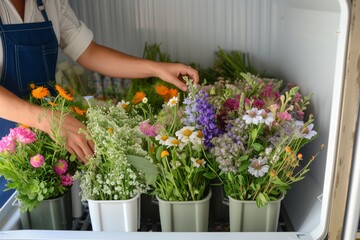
[(67, 180), (61, 167), (37, 160), (23, 135), (7, 143), (148, 129)]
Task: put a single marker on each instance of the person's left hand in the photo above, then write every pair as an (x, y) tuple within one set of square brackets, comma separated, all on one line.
[(172, 73)]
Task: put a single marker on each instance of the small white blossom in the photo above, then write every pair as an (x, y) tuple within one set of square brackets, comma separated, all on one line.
[(253, 116), (173, 102), (258, 167), (198, 162), (145, 100)]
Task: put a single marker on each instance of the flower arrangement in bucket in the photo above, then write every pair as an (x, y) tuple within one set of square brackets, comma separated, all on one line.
[(176, 146), (111, 175), (258, 136), (35, 164)]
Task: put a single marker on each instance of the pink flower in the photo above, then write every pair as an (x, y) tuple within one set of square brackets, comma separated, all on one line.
[(7, 143), (61, 167), (37, 160), (284, 116), (67, 180), (23, 135), (232, 103), (148, 129)]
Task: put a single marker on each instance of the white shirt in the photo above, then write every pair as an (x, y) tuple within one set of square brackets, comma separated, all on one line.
[(73, 35)]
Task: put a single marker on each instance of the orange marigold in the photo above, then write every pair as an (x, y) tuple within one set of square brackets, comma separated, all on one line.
[(32, 86), (161, 90), (63, 93), (172, 93), (40, 92), (138, 97), (52, 103), (78, 111)]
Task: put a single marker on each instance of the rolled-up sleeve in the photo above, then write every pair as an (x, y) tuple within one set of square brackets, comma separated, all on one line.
[(75, 35)]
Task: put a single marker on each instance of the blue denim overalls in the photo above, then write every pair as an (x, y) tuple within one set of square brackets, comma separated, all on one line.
[(29, 56)]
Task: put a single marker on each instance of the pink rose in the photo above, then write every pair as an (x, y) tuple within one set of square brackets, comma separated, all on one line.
[(61, 167), (23, 135), (67, 180), (37, 160), (7, 143)]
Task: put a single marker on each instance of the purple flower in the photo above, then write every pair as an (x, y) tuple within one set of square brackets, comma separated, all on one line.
[(7, 143), (23, 135), (61, 167), (232, 103), (148, 129), (37, 160)]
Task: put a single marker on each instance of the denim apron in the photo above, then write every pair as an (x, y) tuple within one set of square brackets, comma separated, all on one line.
[(30, 53)]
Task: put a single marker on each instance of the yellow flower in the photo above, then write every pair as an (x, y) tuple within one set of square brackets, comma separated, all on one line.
[(110, 130), (164, 153), (138, 97), (63, 93), (40, 92)]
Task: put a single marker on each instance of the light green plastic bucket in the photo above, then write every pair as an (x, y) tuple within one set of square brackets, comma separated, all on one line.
[(184, 216), (245, 216)]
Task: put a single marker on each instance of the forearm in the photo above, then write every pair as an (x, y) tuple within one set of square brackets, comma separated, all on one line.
[(113, 63), (18, 110)]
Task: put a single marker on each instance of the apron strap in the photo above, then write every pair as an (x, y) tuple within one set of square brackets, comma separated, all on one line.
[(41, 7)]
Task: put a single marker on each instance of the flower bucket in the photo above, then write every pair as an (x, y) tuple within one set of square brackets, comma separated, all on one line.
[(184, 216), (245, 216), (115, 215), (77, 206), (50, 214)]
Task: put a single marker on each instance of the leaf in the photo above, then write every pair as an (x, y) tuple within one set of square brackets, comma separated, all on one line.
[(144, 165), (210, 175), (279, 182), (257, 147), (262, 199)]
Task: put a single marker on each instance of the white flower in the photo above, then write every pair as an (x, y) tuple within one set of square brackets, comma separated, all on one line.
[(145, 100), (306, 132), (172, 141), (258, 167), (267, 117), (173, 101), (198, 162), (123, 104), (162, 138), (185, 133), (88, 97), (253, 116), (268, 151)]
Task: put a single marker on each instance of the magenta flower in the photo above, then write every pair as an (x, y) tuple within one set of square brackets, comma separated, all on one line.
[(37, 160), (232, 103), (67, 180), (148, 129), (284, 116), (61, 167), (7, 143), (23, 135)]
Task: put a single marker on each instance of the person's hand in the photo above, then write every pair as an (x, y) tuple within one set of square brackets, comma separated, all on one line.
[(172, 73), (76, 143)]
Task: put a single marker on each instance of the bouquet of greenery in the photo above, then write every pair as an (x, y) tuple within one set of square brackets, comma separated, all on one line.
[(110, 174), (34, 164)]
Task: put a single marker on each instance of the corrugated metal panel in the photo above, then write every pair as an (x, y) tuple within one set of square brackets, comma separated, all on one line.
[(189, 30)]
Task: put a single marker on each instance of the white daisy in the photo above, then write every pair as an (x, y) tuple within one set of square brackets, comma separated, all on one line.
[(173, 101), (258, 167), (198, 162), (162, 138), (172, 141), (197, 138), (185, 133), (267, 117), (253, 116), (123, 104), (145, 100)]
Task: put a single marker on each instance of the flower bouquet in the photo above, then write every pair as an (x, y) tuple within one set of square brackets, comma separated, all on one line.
[(176, 146), (34, 164), (112, 181), (257, 136)]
